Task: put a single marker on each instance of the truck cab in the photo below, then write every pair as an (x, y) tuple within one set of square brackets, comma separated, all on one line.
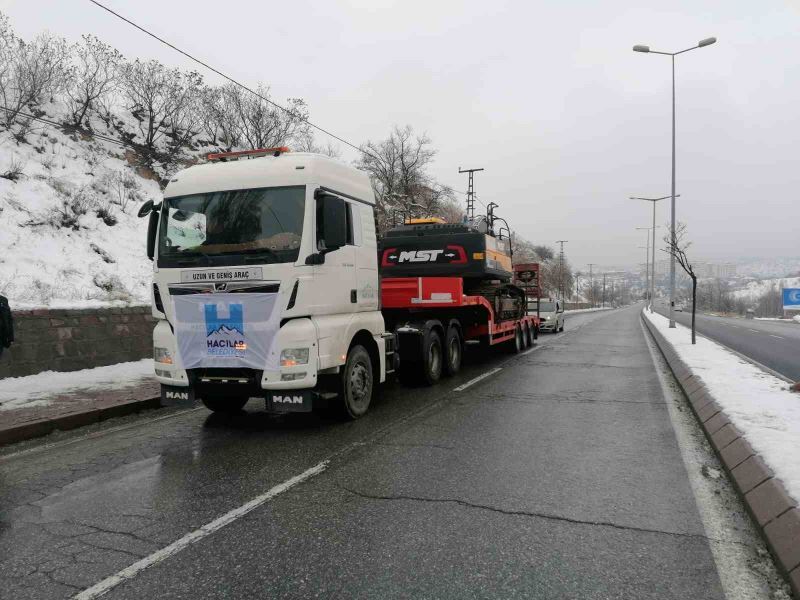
[(266, 283)]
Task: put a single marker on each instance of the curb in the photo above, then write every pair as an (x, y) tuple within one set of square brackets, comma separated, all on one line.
[(42, 427), (774, 511)]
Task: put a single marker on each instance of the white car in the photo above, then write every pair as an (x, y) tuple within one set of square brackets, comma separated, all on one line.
[(551, 313)]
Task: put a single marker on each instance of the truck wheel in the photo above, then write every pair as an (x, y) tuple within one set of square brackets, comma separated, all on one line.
[(453, 351), (356, 383), (531, 335), (432, 356), (526, 336), (224, 404), (516, 345)]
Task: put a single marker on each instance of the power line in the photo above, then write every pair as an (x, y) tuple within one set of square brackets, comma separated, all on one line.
[(231, 79)]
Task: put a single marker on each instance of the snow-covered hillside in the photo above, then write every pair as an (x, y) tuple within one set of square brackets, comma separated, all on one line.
[(68, 228), (755, 289)]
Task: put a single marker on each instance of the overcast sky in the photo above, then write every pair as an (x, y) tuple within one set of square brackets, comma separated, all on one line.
[(546, 96)]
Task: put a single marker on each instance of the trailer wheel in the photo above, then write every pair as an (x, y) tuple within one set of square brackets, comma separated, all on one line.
[(516, 345), (531, 335), (453, 351), (526, 338), (432, 357), (356, 383), (224, 404)]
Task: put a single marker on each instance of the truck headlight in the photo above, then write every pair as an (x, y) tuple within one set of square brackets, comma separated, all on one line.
[(291, 357), (162, 355)]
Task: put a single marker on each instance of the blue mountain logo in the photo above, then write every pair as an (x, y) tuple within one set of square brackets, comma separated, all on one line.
[(233, 322)]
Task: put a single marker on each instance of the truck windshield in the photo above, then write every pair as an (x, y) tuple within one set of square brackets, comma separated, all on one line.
[(217, 228)]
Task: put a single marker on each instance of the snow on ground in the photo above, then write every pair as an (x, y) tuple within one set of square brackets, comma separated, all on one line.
[(582, 310), (757, 403), (39, 389), (755, 289), (91, 262), (792, 320)]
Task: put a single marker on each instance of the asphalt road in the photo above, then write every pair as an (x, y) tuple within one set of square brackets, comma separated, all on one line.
[(557, 476), (773, 344)]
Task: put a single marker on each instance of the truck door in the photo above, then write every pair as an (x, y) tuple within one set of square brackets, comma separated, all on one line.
[(335, 289)]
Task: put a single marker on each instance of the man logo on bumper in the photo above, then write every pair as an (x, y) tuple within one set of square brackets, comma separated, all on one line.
[(287, 399)]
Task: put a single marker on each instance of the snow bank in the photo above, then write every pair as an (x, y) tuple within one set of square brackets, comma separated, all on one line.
[(48, 260), (757, 403), (582, 310), (39, 389), (755, 289)]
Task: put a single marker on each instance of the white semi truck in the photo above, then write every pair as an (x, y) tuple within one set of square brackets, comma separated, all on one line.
[(266, 284)]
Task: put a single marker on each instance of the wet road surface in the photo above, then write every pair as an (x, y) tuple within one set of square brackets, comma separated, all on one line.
[(771, 343), (557, 476)]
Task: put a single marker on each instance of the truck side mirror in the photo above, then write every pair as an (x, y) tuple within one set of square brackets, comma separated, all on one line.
[(331, 226), (145, 209), (152, 228)]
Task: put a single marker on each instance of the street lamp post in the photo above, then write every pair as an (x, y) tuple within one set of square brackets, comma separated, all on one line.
[(672, 55), (653, 261)]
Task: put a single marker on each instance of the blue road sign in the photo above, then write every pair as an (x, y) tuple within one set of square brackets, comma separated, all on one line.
[(791, 298)]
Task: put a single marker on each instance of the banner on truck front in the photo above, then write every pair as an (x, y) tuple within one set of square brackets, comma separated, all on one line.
[(226, 330)]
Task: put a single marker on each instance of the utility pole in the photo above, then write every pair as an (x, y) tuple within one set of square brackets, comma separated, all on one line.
[(591, 282), (470, 193), (561, 291), (604, 290)]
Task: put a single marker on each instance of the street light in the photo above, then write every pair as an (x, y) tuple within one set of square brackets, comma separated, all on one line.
[(653, 261), (640, 48)]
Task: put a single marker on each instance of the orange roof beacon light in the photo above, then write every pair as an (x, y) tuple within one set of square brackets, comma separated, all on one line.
[(226, 156), (426, 221)]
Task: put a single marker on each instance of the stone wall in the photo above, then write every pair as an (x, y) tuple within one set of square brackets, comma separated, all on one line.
[(69, 340)]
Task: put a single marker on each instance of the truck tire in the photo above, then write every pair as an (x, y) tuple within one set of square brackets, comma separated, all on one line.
[(531, 334), (432, 358), (224, 404), (356, 383), (526, 338), (453, 351), (516, 345)]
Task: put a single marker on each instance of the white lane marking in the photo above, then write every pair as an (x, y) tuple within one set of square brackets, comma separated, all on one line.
[(195, 536), (753, 330), (475, 380), (735, 326), (780, 337)]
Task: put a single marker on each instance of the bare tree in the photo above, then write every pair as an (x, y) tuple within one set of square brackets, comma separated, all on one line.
[(307, 143), (161, 99), (262, 124), (676, 246), (398, 170), (94, 76), (30, 73)]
